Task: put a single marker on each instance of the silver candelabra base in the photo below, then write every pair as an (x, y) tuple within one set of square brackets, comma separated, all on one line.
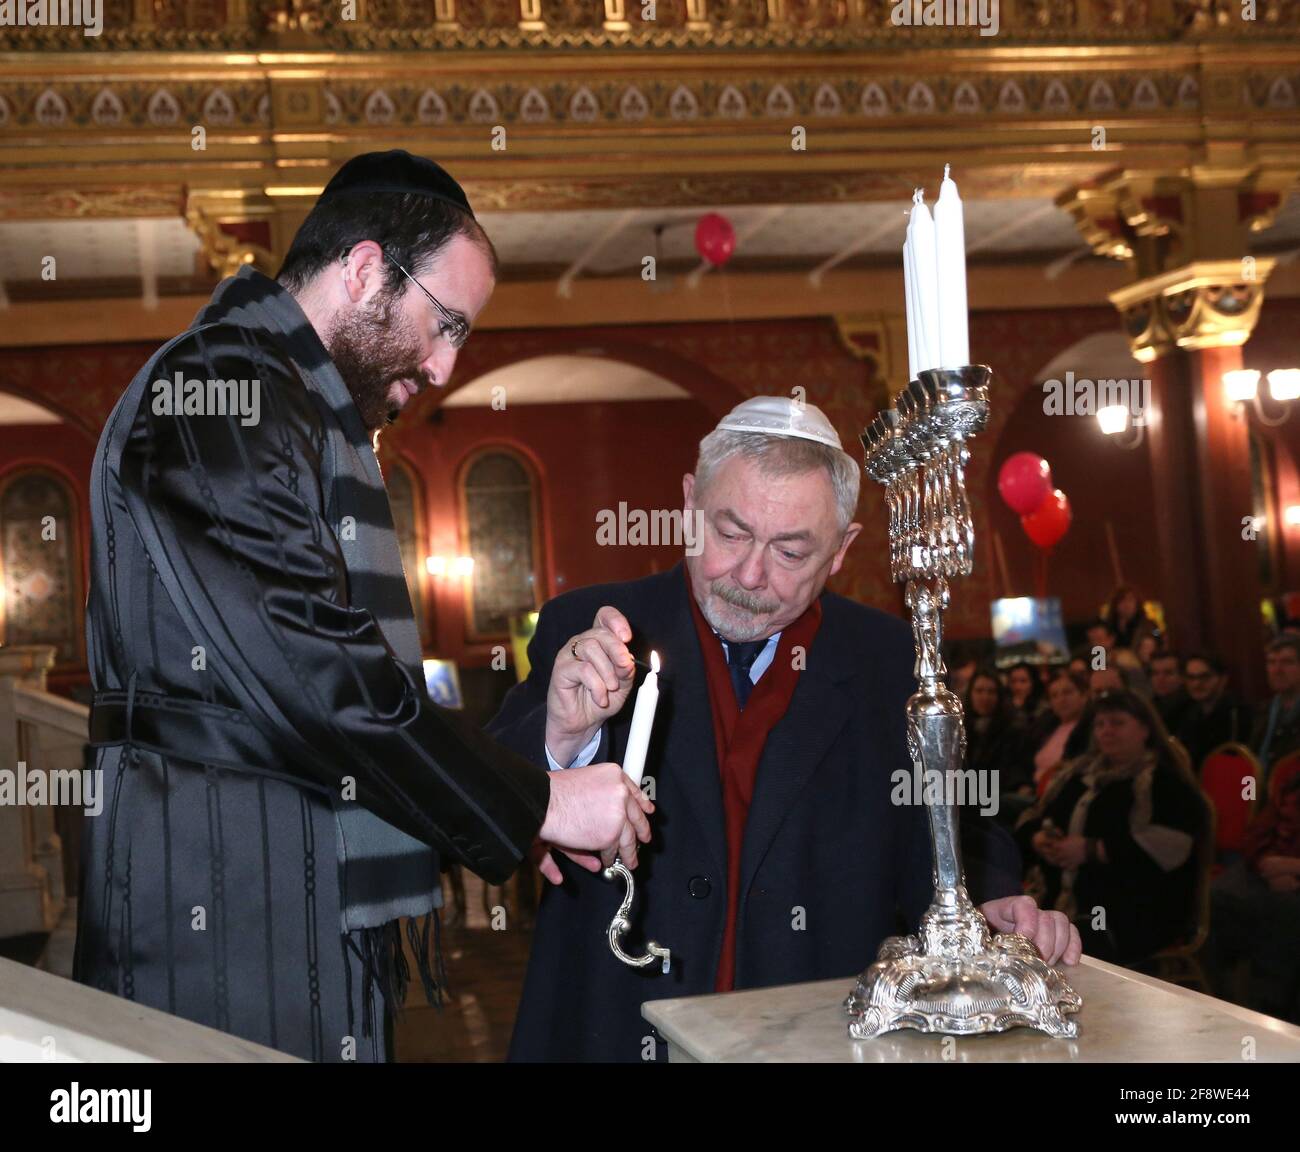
[(955, 977)]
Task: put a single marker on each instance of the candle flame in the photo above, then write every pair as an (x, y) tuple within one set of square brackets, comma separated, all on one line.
[(654, 662), (945, 170)]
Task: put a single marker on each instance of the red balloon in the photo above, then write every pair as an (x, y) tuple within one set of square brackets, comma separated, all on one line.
[(1046, 525), (715, 239), (1024, 482)]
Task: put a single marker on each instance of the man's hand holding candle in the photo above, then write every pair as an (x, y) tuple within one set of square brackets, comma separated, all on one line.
[(590, 682)]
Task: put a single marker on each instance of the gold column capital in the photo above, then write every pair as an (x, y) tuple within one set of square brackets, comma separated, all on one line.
[(207, 212), (1205, 304)]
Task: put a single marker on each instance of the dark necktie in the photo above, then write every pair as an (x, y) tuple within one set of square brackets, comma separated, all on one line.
[(740, 659)]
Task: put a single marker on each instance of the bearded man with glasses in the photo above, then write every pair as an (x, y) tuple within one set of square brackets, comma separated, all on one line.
[(282, 786)]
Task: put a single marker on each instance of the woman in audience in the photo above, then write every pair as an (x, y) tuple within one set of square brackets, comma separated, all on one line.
[(1026, 691), (1127, 617), (1067, 697), (996, 739), (1113, 841)]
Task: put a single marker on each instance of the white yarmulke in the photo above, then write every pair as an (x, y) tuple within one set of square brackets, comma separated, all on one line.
[(781, 416)]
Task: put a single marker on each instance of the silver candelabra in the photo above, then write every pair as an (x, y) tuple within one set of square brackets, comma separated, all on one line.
[(954, 976)]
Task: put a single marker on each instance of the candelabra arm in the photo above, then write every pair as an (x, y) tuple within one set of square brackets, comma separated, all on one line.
[(622, 923)]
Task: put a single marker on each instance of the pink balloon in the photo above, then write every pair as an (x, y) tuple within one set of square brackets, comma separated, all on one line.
[(1048, 523), (1024, 482), (715, 239)]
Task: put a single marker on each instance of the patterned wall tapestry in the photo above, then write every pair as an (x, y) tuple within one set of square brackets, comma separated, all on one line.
[(40, 559), (498, 519)]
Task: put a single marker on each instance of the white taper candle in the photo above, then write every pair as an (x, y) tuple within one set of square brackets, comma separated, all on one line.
[(950, 246), (909, 296), (643, 718), (926, 263)]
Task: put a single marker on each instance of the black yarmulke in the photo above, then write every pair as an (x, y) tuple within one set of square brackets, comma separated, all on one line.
[(397, 171)]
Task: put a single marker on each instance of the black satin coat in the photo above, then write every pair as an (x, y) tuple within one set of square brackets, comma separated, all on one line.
[(220, 599), (829, 861)]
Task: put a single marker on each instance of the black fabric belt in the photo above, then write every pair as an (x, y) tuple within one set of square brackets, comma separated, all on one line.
[(188, 729)]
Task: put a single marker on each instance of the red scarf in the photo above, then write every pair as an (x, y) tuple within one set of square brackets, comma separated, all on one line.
[(740, 737)]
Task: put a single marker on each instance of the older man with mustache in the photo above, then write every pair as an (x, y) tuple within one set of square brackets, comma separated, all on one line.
[(777, 855)]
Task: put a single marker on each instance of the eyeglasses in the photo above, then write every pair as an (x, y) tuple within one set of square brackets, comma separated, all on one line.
[(455, 329)]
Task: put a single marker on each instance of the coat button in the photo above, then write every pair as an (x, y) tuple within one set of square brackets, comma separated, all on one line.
[(700, 887)]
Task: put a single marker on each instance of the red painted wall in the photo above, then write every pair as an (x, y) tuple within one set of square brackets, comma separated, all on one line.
[(589, 457), (585, 458)]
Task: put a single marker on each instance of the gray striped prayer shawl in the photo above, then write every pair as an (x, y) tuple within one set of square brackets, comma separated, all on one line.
[(386, 873)]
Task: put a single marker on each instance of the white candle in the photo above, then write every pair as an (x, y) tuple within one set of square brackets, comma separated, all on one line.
[(950, 246), (926, 286), (643, 718), (909, 295)]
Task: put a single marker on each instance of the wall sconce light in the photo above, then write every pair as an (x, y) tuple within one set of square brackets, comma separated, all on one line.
[(1284, 384), (1291, 514), (442, 567), (1115, 420), (1241, 386)]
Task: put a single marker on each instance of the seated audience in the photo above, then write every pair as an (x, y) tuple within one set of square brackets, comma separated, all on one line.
[(1112, 843), (1255, 911)]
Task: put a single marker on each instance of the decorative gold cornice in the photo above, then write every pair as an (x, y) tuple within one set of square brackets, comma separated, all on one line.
[(472, 25), (1207, 304), (91, 202), (1162, 219)]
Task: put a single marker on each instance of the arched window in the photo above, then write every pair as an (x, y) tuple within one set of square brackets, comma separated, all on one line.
[(40, 561), (408, 520), (499, 522)]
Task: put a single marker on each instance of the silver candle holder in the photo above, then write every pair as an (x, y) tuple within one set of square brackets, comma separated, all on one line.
[(954, 977), (622, 922)]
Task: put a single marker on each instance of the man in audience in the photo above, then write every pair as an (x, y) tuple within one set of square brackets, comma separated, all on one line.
[(1169, 693), (1277, 725), (1215, 716)]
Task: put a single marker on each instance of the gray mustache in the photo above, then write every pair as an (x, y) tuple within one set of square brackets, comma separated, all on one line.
[(739, 598)]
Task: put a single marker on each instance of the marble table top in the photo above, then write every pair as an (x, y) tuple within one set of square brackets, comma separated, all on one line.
[(1125, 1016), (45, 1017)]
